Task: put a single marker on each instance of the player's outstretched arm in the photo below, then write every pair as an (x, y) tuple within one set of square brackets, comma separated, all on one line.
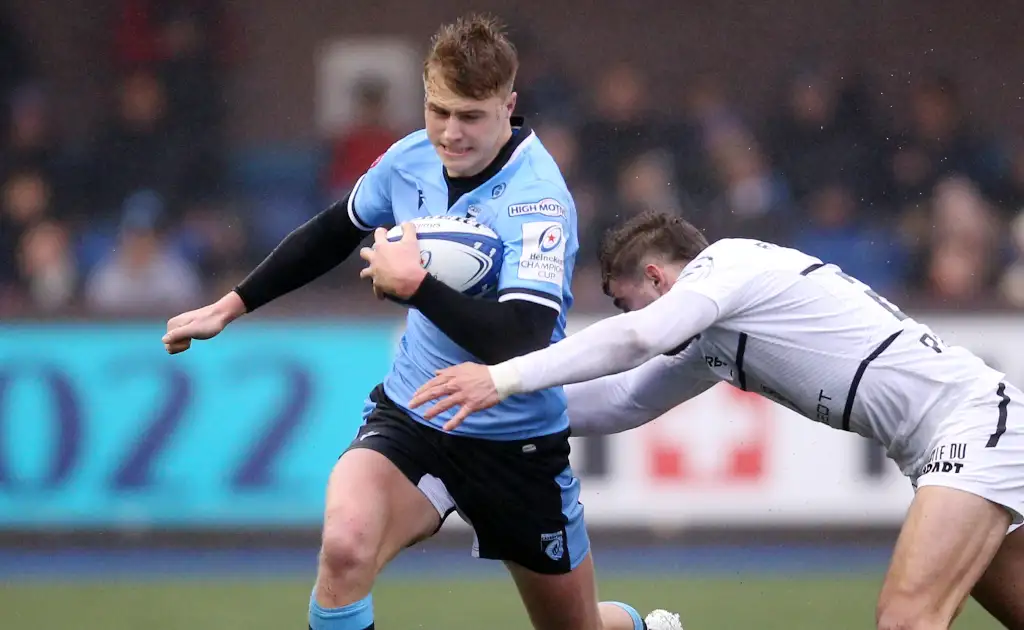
[(620, 402), (611, 346), (310, 251)]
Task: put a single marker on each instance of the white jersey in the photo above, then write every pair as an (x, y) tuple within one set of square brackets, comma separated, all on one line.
[(784, 325), (806, 335), (776, 322)]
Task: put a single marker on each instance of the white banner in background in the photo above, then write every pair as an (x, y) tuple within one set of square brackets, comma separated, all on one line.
[(730, 457)]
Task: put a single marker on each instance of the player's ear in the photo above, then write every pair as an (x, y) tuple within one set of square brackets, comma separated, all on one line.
[(654, 274), (510, 104)]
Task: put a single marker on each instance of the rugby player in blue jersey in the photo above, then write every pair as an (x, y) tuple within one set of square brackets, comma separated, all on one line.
[(507, 470)]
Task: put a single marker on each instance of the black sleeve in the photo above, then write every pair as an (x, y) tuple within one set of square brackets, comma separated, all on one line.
[(491, 331), (311, 250)]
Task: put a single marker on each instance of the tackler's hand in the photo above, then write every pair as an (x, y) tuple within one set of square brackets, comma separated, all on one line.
[(468, 386)]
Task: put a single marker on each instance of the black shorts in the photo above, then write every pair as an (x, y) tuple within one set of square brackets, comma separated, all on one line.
[(520, 496)]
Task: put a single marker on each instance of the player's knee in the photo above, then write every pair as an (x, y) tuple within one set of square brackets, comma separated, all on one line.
[(348, 549), (908, 613)]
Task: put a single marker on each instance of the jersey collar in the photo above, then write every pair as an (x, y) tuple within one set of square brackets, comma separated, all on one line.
[(521, 132)]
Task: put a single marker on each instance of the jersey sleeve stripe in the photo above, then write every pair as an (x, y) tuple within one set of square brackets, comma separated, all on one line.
[(812, 268), (352, 207), (1004, 402), (683, 346), (741, 348), (848, 409), (537, 297), (535, 292)]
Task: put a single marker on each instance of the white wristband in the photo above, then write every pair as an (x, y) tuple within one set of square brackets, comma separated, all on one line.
[(506, 379)]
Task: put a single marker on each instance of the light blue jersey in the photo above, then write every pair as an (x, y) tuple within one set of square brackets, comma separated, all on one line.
[(528, 205)]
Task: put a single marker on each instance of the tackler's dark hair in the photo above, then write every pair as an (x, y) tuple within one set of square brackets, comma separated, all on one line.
[(651, 232)]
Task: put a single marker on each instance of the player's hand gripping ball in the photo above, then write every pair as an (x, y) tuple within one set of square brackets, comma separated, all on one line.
[(458, 251)]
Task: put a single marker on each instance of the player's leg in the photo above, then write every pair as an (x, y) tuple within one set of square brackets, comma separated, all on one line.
[(944, 547), (523, 502), (954, 541), (566, 601), (570, 600), (1001, 590), (373, 510)]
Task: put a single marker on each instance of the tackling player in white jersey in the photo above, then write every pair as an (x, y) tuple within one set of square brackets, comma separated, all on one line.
[(785, 325)]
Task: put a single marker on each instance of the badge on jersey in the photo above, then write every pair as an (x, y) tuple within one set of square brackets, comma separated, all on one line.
[(543, 258), (548, 207), (553, 545), (698, 269)]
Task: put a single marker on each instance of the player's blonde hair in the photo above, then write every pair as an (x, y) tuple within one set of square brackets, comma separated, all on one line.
[(472, 57), (650, 233)]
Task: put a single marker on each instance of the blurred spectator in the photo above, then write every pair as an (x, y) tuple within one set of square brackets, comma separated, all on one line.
[(189, 44), (47, 266), (29, 138), (25, 202), (941, 141), (212, 237), (836, 232), (752, 200), (1011, 197), (620, 128), (545, 93), (962, 256), (138, 149), (811, 140), (710, 119), (646, 182), (16, 63), (1012, 283), (144, 275), (368, 136)]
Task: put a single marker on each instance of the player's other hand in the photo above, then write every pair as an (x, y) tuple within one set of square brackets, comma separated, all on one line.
[(395, 268), (202, 323), (468, 386)]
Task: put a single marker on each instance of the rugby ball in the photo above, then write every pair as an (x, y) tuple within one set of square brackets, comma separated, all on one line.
[(459, 251)]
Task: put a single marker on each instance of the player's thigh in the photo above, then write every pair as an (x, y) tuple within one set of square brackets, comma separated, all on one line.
[(382, 494), (559, 602), (969, 490), (944, 547), (372, 510), (1001, 589)]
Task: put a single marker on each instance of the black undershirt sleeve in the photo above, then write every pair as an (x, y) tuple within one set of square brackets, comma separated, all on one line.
[(489, 330), (311, 250)]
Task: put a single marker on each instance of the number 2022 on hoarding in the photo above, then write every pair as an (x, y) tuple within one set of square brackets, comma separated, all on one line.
[(99, 427)]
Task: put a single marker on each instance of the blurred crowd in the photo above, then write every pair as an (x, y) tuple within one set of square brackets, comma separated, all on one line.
[(155, 213)]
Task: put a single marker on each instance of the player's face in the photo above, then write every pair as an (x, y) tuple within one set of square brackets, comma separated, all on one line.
[(631, 294), (466, 133)]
